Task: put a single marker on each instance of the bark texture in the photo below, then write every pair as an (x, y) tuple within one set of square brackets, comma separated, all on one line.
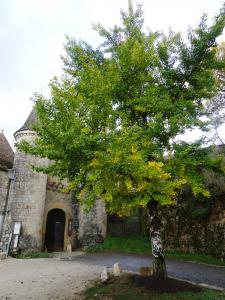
[(159, 266)]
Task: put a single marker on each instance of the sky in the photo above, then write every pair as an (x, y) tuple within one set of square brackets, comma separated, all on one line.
[(33, 34)]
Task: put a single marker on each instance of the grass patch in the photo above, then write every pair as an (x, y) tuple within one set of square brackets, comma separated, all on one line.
[(141, 245), (33, 255), (196, 257), (132, 244), (125, 288)]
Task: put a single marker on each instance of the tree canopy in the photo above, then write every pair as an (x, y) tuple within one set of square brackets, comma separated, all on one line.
[(111, 122), (216, 105)]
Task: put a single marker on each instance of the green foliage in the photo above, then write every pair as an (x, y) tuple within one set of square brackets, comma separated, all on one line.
[(111, 121), (26, 255)]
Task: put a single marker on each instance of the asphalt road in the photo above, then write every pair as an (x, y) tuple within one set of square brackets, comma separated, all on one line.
[(195, 272)]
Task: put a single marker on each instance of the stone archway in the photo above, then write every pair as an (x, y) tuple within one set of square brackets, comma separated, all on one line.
[(55, 227)]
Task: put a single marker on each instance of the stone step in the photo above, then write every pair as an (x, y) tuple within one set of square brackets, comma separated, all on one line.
[(66, 255)]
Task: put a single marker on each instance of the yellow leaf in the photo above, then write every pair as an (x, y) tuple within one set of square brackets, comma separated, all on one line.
[(94, 163), (85, 130), (134, 148), (128, 183)]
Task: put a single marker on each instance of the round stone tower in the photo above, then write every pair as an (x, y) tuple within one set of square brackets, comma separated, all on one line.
[(28, 191)]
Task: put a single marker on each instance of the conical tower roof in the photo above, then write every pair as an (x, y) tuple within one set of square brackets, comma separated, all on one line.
[(6, 152), (30, 121)]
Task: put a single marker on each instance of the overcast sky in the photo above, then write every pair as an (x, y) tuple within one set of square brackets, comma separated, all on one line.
[(32, 34)]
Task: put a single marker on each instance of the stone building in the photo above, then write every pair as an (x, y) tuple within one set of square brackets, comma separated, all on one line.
[(34, 213), (6, 162)]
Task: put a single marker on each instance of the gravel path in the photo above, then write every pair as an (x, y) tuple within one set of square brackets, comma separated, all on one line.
[(63, 279), (44, 279)]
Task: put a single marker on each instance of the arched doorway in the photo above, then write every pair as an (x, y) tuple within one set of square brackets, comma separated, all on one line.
[(54, 235)]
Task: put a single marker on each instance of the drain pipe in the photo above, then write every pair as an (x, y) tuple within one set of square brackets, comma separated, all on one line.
[(1, 223)]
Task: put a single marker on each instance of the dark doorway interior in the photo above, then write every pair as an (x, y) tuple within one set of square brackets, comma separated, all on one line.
[(54, 236)]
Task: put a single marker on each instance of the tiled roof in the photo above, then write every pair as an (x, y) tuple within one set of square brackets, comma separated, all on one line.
[(6, 152), (30, 121)]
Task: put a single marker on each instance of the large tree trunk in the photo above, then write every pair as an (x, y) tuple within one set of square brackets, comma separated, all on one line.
[(159, 266)]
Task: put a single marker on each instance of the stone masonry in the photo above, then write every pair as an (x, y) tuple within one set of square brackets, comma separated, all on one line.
[(31, 198), (4, 180), (92, 224)]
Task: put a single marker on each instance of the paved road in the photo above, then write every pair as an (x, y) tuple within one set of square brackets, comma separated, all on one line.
[(198, 273)]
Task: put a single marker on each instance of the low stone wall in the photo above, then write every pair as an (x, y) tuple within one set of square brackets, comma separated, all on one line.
[(92, 224), (123, 229)]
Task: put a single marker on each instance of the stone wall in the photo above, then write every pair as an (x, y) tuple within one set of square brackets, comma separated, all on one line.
[(4, 187), (195, 232), (92, 224), (4, 182), (27, 200), (6, 232)]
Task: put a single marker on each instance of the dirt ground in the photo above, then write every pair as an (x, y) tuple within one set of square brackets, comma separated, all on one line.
[(65, 276), (42, 279)]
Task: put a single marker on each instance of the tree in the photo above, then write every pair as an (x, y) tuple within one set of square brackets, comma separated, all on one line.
[(111, 120), (216, 106)]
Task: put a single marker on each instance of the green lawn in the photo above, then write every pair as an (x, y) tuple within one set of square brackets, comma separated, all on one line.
[(132, 244), (141, 245)]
